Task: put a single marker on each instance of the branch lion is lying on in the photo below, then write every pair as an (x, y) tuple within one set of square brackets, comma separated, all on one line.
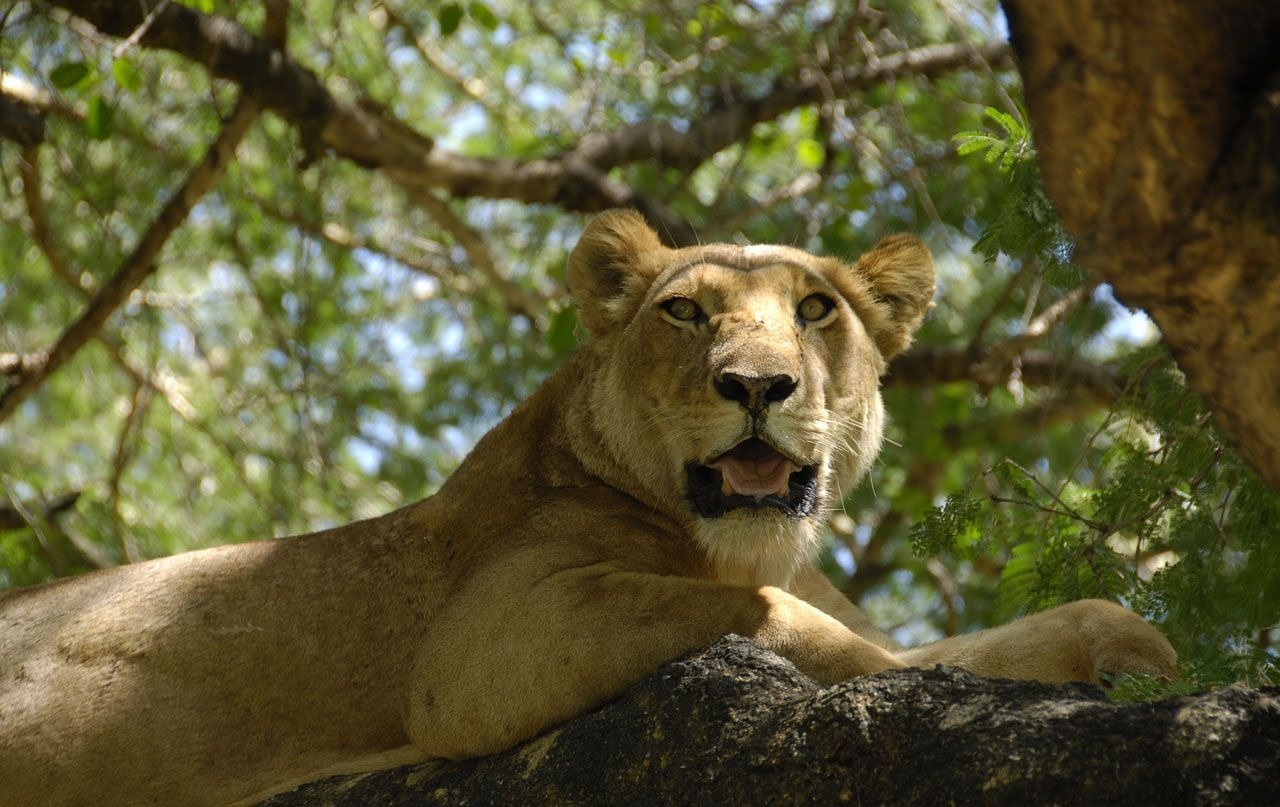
[(664, 488)]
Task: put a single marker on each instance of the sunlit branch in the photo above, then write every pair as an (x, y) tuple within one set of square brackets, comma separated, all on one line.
[(576, 179), (1040, 325)]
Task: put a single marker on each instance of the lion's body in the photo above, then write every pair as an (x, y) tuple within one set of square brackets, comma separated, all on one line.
[(562, 561)]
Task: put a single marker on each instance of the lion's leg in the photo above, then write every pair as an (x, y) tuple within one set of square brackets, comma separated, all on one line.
[(812, 586), (1074, 642), (491, 677)]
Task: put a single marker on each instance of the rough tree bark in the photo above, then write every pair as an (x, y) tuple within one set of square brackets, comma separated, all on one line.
[(735, 724), (1158, 128)]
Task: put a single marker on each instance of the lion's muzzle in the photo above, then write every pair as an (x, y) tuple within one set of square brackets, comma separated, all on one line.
[(752, 474)]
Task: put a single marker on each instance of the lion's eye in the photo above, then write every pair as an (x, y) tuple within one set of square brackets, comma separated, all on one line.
[(682, 308), (815, 307)]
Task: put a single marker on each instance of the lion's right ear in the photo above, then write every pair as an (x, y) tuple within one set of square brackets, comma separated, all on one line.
[(900, 274), (611, 268)]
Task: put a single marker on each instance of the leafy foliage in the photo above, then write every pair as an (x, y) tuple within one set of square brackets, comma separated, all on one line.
[(1158, 512), (317, 348)]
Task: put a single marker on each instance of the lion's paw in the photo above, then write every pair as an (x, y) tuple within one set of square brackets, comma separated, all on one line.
[(1114, 640)]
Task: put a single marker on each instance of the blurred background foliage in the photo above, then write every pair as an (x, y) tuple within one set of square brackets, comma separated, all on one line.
[(317, 348)]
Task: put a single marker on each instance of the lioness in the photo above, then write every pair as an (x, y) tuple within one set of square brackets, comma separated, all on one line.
[(664, 488)]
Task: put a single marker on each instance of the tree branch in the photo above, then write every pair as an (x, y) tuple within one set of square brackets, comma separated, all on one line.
[(515, 298), (576, 180), (1039, 325), (140, 264), (20, 123), (923, 366), (18, 515)]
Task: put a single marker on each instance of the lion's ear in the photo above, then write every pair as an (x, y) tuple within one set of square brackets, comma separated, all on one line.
[(899, 272), (608, 270)]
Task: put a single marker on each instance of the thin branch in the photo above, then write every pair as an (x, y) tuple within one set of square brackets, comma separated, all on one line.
[(1039, 325), (656, 140), (980, 332), (19, 90), (140, 264), (166, 384), (24, 518), (924, 366), (514, 297), (474, 88), (20, 363), (62, 547), (138, 403), (19, 516), (1051, 511), (449, 275), (575, 180), (1024, 423), (140, 31), (1057, 499), (797, 188), (20, 123), (29, 170)]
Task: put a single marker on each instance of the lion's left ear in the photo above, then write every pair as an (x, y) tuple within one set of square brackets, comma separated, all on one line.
[(899, 272), (611, 268)]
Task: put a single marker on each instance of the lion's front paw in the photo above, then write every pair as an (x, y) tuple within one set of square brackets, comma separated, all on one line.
[(1114, 640)]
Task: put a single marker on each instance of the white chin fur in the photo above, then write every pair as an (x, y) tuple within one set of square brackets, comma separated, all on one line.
[(758, 547)]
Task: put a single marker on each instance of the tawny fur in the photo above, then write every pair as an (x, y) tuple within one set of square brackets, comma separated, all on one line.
[(559, 565)]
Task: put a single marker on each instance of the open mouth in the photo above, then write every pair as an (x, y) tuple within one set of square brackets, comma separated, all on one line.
[(752, 474)]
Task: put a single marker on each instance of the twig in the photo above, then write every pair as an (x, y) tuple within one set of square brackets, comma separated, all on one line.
[(19, 90), (140, 31), (20, 517), (1057, 499), (29, 170), (119, 462), (925, 366), (1071, 514), (19, 363), (472, 87), (373, 138), (448, 274), (801, 186), (55, 561), (980, 332), (1127, 387), (140, 264), (1039, 325), (20, 123), (514, 297)]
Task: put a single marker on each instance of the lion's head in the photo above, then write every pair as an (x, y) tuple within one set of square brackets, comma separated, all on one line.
[(740, 386)]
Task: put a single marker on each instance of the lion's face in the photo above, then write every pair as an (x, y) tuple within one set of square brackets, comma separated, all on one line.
[(740, 385)]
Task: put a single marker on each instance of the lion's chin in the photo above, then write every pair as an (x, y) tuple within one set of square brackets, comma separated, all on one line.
[(752, 474)]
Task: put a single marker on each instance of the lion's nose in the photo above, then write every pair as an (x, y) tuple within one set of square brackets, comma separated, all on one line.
[(755, 392)]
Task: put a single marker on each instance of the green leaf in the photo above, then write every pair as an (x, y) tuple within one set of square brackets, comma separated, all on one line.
[(810, 153), (68, 74), (450, 17), (98, 122), (561, 335), (126, 75), (1011, 125), (483, 15)]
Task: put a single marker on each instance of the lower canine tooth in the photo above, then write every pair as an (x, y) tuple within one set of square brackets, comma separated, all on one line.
[(785, 490), (725, 487)]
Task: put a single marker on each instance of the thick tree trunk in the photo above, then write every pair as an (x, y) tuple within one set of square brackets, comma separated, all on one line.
[(1158, 128), (735, 724)]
